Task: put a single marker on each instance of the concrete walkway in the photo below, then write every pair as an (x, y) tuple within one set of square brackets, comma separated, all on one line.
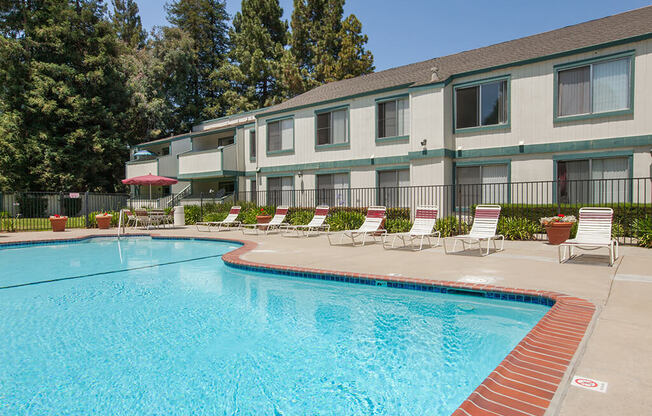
[(617, 349)]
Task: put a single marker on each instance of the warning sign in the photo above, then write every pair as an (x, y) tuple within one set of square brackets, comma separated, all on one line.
[(589, 384)]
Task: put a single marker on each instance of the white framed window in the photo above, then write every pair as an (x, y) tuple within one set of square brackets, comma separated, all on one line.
[(332, 127), (593, 180), (280, 190), (393, 117), (333, 189), (280, 135), (481, 104), (594, 88)]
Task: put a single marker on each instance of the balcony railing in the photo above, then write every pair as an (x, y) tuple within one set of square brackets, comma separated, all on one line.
[(140, 168)]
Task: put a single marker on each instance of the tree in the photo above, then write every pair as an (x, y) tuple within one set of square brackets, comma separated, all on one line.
[(127, 23), (206, 22), (321, 39), (258, 40)]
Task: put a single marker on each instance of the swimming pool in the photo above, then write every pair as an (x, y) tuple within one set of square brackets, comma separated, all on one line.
[(152, 327)]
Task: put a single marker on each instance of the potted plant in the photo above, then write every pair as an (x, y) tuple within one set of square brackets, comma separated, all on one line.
[(103, 221), (58, 222), (558, 227), (263, 218)]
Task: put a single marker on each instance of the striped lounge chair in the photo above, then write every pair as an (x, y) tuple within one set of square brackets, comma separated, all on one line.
[(485, 223), (316, 225), (370, 227), (593, 232), (228, 222), (424, 223), (274, 225)]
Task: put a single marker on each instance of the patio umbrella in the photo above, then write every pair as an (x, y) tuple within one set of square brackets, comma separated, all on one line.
[(144, 153), (150, 180)]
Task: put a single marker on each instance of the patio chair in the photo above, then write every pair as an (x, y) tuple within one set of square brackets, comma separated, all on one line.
[(142, 219), (317, 224), (226, 223), (424, 223), (369, 228), (274, 225), (484, 228), (131, 219), (593, 232)]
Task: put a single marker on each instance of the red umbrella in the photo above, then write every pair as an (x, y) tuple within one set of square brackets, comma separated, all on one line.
[(150, 180)]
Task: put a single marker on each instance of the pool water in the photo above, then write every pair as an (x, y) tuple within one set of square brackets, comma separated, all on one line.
[(161, 327)]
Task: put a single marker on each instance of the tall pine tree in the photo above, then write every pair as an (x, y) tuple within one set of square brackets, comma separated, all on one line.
[(207, 24), (127, 23), (258, 40)]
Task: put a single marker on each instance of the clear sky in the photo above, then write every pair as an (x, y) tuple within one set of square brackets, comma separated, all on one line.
[(406, 31)]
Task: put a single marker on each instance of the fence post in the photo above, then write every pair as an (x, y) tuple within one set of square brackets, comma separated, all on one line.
[(201, 206), (86, 209)]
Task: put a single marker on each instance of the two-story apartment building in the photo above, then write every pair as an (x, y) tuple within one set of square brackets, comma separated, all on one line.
[(572, 103)]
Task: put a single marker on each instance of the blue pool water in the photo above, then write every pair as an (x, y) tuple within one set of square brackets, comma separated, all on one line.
[(161, 327)]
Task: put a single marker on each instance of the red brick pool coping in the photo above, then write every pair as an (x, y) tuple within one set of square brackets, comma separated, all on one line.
[(523, 384)]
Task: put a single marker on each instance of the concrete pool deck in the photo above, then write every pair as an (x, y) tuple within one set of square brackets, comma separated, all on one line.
[(616, 347)]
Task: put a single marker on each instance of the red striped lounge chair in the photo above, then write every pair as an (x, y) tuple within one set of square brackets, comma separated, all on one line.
[(485, 223), (593, 232)]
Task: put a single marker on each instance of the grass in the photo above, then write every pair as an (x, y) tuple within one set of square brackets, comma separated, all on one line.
[(37, 224)]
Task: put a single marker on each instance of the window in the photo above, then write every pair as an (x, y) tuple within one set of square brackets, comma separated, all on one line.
[(333, 189), (225, 141), (280, 190), (332, 127), (481, 105), (393, 188), (394, 118), (487, 184), (165, 151), (252, 144), (593, 180), (253, 190), (280, 135), (594, 88)]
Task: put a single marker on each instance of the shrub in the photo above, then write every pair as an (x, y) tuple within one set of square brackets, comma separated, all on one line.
[(6, 222), (215, 216), (448, 226), (518, 228), (300, 216), (31, 206), (399, 225), (643, 231), (192, 214), (92, 222), (345, 220)]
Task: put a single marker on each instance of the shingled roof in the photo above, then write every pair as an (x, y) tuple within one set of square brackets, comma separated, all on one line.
[(631, 24)]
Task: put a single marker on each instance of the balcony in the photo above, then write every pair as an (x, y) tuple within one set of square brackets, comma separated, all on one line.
[(208, 163), (140, 168)]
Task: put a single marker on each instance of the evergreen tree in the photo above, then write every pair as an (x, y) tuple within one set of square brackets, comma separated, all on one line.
[(320, 39), (206, 22), (127, 23), (258, 42)]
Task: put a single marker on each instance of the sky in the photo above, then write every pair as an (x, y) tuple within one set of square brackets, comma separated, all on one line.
[(408, 31)]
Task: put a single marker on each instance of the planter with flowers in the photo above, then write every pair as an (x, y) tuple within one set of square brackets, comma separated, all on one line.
[(558, 227), (58, 223), (103, 221), (263, 218)]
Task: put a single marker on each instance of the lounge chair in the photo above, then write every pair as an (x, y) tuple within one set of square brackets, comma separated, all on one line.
[(484, 227), (131, 219), (274, 225), (370, 227), (424, 223), (226, 223), (593, 232), (317, 224)]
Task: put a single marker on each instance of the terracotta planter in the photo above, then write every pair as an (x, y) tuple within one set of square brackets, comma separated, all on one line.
[(263, 219), (103, 221), (558, 232), (58, 223)]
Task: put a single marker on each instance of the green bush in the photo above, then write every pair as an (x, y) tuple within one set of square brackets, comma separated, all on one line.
[(448, 226), (32, 206), (300, 216), (192, 214), (643, 231), (6, 222), (518, 228), (345, 220), (214, 216), (399, 225), (92, 222)]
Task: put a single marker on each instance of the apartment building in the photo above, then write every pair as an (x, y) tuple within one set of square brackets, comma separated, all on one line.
[(572, 103)]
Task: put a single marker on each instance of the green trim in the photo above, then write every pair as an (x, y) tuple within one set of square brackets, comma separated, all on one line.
[(384, 100), (597, 155), (631, 54), (383, 140), (330, 146), (248, 126), (334, 100), (280, 175), (392, 97), (395, 167), (251, 173), (432, 153), (332, 172), (504, 126), (140, 162), (283, 151), (442, 84)]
